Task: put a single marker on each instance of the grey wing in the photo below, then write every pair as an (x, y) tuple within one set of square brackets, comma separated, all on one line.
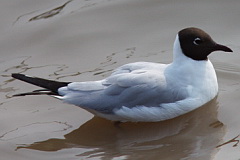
[(127, 86)]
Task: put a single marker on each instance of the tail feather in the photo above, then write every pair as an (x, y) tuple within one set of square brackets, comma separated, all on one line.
[(50, 85)]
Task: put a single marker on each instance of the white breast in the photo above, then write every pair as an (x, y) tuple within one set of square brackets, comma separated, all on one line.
[(198, 77)]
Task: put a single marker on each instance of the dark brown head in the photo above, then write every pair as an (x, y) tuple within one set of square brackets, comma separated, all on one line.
[(197, 44)]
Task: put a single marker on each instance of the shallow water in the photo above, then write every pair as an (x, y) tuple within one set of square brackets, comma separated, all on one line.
[(85, 40)]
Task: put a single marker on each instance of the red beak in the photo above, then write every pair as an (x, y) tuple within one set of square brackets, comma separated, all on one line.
[(220, 47)]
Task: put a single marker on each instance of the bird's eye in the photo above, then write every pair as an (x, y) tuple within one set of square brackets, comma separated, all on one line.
[(197, 41)]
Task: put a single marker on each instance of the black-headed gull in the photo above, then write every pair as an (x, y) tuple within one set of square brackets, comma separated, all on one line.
[(145, 91)]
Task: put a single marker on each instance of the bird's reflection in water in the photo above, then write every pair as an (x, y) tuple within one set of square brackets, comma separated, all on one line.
[(193, 135)]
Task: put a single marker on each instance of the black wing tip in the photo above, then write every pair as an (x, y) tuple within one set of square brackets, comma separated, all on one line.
[(18, 75), (15, 75), (50, 85), (35, 92), (20, 95)]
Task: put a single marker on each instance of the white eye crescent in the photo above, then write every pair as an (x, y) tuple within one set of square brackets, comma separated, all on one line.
[(197, 41)]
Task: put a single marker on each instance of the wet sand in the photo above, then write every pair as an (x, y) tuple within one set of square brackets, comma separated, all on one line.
[(86, 40)]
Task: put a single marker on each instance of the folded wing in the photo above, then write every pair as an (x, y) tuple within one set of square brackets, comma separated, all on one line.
[(131, 85)]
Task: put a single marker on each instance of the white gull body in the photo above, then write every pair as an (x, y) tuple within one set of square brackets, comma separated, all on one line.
[(145, 91)]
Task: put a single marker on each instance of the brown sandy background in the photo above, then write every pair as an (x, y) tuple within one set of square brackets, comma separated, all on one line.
[(85, 40)]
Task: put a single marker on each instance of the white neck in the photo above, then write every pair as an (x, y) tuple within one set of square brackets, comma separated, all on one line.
[(192, 72), (178, 55), (183, 63)]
